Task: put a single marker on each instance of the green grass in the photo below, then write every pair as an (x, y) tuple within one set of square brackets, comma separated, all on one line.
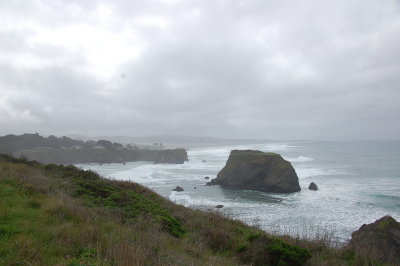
[(30, 224), (387, 223), (61, 215), (239, 157), (133, 204), (240, 154), (285, 254)]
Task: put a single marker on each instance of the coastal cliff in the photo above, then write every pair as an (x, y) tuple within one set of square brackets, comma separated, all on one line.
[(58, 156), (65, 150)]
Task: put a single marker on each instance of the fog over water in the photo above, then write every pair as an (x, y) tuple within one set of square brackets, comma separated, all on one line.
[(234, 69)]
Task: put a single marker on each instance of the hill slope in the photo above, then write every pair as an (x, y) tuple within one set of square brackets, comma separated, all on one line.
[(61, 215)]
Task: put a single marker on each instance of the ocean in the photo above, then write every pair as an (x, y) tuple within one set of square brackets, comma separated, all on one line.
[(358, 183)]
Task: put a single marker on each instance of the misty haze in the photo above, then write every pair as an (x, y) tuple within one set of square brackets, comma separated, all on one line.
[(172, 132)]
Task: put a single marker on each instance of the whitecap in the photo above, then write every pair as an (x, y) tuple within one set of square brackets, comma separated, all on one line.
[(186, 200), (300, 159), (312, 172), (183, 198), (280, 146)]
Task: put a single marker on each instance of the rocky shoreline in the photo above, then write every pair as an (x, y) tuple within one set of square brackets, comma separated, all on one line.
[(66, 151), (82, 156)]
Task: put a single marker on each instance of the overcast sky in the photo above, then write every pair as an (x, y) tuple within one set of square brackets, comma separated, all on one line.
[(298, 69)]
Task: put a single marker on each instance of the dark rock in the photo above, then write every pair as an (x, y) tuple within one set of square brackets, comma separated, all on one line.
[(380, 240), (195, 187), (204, 161), (92, 155), (257, 170), (178, 188), (219, 206), (209, 184), (206, 177), (175, 156), (313, 186)]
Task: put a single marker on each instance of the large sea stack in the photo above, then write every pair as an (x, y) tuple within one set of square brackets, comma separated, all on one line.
[(257, 170)]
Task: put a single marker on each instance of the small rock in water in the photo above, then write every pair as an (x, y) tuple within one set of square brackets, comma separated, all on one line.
[(178, 188), (206, 177), (204, 161), (313, 186), (195, 187), (219, 206)]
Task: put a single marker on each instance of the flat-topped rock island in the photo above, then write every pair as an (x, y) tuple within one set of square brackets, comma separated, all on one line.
[(257, 170)]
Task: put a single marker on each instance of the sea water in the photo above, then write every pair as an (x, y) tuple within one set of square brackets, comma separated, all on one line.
[(358, 183)]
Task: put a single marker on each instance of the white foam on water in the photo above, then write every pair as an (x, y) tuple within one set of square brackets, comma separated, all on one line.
[(141, 179), (300, 159), (305, 172), (184, 198), (223, 152), (278, 147), (344, 201), (142, 174), (153, 174)]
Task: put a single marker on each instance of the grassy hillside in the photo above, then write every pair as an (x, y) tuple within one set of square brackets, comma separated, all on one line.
[(60, 215)]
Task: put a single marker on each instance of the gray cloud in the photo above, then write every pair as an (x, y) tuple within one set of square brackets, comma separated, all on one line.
[(251, 69)]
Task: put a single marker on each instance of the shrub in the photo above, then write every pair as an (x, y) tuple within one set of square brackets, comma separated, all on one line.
[(285, 254)]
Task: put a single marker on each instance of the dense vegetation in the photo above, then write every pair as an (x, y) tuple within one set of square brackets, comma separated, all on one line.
[(61, 215), (65, 150), (12, 143)]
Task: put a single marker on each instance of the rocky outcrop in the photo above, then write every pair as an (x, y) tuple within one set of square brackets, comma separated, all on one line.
[(257, 170), (178, 189), (313, 186), (175, 156), (379, 240)]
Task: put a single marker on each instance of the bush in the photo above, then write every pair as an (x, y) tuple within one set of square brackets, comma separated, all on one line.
[(285, 254)]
